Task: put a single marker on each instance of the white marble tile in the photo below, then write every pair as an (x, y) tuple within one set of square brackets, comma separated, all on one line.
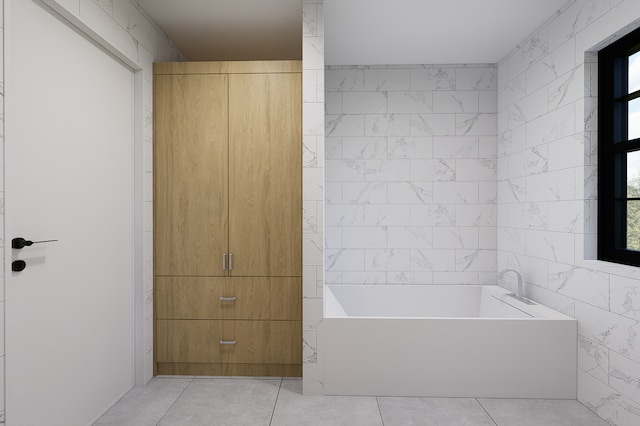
[(456, 278), (366, 277), (364, 148), (624, 376), (312, 53), (512, 190), (529, 216), (364, 237), (567, 89), (625, 296), (333, 192), (413, 278), (455, 102), (614, 331), (410, 192), (364, 192), (388, 125), (487, 238), (566, 152), (433, 260), (344, 170), (387, 260), (387, 215), (476, 124), (566, 216), (344, 215), (332, 102), (333, 237), (606, 402), (574, 19), (552, 126), (309, 20), (430, 170), (474, 170), (433, 79), (409, 147), (455, 147), (312, 248), (333, 148), (364, 103), (344, 260), (487, 192), (387, 79), (552, 66), (309, 281), (136, 24), (433, 215), (553, 186), (411, 102), (512, 240), (529, 52), (410, 237), (512, 92), (455, 192), (528, 108), (475, 260), (312, 314), (344, 125), (476, 215), (313, 121), (387, 170), (433, 124), (344, 80), (488, 101), (558, 302), (456, 237), (579, 283), (555, 246), (477, 78)]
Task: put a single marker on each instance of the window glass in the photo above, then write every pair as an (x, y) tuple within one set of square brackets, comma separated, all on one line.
[(633, 174), (633, 225), (634, 72), (634, 119)]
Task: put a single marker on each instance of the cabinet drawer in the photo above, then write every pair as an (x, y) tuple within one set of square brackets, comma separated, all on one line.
[(264, 298), (248, 298), (189, 297), (248, 342)]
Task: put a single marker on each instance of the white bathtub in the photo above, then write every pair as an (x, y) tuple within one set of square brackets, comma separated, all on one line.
[(445, 341)]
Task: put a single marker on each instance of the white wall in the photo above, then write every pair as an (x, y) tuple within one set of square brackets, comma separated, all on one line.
[(312, 193), (122, 28), (411, 174), (547, 183)]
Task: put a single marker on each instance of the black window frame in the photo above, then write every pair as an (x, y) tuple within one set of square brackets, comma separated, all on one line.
[(613, 146)]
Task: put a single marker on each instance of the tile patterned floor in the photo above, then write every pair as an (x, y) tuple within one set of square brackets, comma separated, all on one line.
[(194, 401)]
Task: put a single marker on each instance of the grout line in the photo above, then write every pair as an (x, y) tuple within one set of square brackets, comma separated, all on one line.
[(379, 410), (174, 402), (485, 410), (276, 401)]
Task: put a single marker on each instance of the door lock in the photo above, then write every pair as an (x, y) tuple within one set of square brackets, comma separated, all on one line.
[(18, 265)]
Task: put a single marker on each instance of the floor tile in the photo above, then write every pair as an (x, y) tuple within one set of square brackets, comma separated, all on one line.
[(540, 412), (398, 411), (146, 405), (224, 402), (294, 409)]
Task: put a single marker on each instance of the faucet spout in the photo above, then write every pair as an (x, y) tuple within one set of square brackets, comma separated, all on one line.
[(520, 291)]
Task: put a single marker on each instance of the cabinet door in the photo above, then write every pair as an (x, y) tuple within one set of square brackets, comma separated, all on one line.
[(265, 169), (191, 174)]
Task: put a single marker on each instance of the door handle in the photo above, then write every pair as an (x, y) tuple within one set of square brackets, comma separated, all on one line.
[(18, 243)]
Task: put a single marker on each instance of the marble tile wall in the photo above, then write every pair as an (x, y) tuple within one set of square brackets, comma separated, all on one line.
[(312, 194), (411, 170), (129, 33), (547, 187)]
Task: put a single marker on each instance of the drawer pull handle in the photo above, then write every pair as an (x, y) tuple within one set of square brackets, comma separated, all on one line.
[(228, 299), (224, 261), (227, 342)]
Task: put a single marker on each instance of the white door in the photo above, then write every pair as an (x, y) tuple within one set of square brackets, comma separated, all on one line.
[(69, 176)]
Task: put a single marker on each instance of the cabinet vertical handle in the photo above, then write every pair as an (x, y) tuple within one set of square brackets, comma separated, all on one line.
[(230, 262), (224, 261)]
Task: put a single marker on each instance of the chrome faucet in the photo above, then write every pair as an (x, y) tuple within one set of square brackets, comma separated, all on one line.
[(520, 292)]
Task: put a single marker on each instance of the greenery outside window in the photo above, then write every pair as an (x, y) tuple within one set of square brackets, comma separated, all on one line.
[(619, 151)]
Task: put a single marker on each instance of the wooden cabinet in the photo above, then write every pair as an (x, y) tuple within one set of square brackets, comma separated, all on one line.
[(228, 218)]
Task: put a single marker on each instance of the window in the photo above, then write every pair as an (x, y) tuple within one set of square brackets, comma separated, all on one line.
[(619, 151)]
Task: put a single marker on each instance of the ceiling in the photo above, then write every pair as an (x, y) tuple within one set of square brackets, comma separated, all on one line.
[(357, 32)]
